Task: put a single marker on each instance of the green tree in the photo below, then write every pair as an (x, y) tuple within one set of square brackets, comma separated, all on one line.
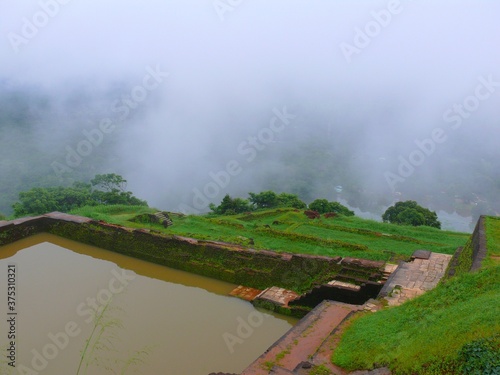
[(411, 216), (117, 197), (290, 200), (37, 201), (265, 199), (323, 206), (109, 182), (320, 205), (231, 206), (411, 213), (269, 199), (110, 189)]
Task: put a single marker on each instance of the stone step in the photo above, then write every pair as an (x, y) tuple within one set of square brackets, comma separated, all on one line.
[(164, 219), (277, 295), (343, 284)]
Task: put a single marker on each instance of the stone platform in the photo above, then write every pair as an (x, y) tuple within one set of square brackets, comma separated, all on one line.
[(414, 278), (278, 296), (245, 292)]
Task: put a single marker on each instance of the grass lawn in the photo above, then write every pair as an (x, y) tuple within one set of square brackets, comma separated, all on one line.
[(493, 239), (452, 329), (425, 335), (291, 231)]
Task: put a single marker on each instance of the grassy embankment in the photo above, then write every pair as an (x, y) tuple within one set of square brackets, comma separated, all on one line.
[(453, 329), (292, 231)]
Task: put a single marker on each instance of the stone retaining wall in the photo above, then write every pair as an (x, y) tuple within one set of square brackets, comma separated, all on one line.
[(479, 249), (227, 262), (470, 257)]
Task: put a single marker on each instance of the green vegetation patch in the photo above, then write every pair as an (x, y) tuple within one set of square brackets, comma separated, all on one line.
[(290, 230), (493, 238), (430, 334), (117, 214)]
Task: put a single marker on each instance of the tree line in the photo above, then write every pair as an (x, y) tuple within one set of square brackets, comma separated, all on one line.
[(110, 189), (103, 189), (269, 199), (403, 213)]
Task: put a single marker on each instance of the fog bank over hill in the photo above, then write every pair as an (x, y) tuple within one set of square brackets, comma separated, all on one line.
[(192, 100)]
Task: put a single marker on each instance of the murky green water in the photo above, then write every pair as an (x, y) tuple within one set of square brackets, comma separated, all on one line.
[(150, 319)]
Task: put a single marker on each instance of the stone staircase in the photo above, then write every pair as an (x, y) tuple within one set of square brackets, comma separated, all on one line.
[(164, 219)]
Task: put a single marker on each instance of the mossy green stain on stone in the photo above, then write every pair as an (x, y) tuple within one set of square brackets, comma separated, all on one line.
[(227, 262)]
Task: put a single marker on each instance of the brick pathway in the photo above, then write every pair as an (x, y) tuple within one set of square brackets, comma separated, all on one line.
[(412, 279), (302, 341)]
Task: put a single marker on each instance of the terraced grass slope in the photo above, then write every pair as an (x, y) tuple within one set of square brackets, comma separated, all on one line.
[(453, 329), (292, 231)]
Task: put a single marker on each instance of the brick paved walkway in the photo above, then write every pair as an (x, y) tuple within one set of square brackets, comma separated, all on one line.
[(412, 279), (302, 341)]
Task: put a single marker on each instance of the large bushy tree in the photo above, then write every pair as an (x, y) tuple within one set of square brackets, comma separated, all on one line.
[(110, 189), (109, 182), (231, 206), (290, 200), (37, 201), (265, 199), (269, 199), (323, 206), (262, 200), (411, 213)]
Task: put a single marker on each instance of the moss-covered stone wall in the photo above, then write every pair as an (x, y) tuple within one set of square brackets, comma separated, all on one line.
[(471, 255), (232, 263), (16, 230)]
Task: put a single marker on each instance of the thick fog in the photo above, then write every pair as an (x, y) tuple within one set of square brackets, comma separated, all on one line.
[(193, 99)]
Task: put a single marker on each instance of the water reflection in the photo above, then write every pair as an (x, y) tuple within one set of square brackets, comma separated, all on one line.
[(91, 311)]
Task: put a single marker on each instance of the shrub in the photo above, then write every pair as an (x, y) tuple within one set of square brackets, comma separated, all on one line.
[(312, 214), (410, 213), (230, 206), (269, 199), (323, 206), (481, 356)]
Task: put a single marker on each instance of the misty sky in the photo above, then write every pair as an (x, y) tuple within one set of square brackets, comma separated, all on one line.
[(231, 66)]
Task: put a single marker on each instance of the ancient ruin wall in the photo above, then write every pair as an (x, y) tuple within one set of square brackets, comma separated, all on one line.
[(232, 263), (470, 257)]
